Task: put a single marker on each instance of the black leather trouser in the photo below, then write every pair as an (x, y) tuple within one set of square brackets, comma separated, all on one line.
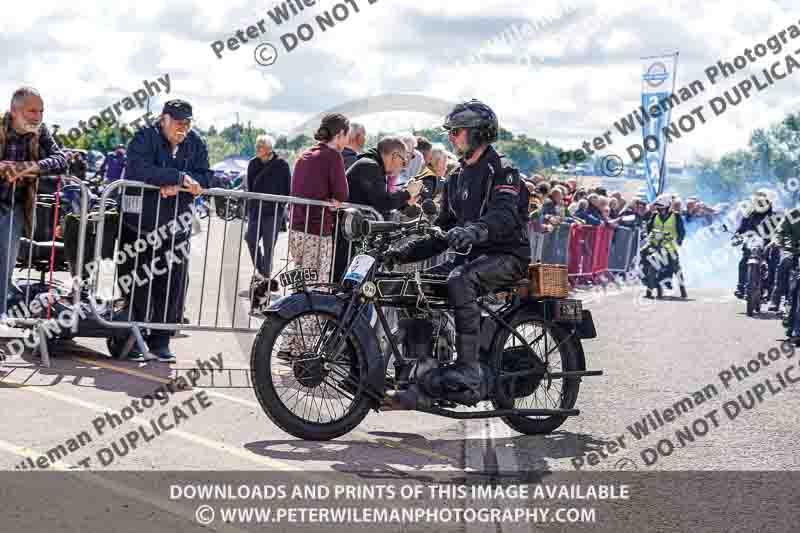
[(468, 281)]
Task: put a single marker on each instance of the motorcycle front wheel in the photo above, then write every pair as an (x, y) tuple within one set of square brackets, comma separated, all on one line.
[(306, 391), (554, 351)]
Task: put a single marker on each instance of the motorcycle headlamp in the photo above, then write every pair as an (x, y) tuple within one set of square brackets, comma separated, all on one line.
[(353, 224)]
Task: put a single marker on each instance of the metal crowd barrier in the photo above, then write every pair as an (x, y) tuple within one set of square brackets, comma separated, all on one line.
[(210, 297), (624, 249), (31, 304), (589, 248), (205, 294), (581, 253), (588, 251), (555, 246), (596, 250)]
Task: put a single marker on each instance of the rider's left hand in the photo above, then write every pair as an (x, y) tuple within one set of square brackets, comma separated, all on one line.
[(458, 238)]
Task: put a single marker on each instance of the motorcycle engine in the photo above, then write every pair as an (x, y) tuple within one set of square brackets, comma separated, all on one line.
[(422, 346), (418, 342)]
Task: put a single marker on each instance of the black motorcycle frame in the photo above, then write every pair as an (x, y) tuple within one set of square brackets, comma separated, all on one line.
[(350, 305)]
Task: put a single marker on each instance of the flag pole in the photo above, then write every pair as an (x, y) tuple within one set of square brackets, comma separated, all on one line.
[(662, 176)]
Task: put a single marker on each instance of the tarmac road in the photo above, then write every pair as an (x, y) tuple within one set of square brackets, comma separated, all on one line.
[(654, 354)]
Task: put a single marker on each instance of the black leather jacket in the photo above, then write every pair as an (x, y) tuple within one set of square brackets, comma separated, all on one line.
[(487, 195)]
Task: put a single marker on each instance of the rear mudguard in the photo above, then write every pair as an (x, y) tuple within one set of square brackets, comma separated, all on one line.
[(543, 310), (295, 304)]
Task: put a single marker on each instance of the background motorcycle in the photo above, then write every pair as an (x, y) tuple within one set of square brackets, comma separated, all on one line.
[(757, 273), (658, 267)]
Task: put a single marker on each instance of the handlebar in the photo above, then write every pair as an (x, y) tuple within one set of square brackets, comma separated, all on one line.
[(415, 226), (374, 227)]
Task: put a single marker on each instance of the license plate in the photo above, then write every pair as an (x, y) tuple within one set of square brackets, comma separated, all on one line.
[(299, 276), (359, 268), (569, 310)]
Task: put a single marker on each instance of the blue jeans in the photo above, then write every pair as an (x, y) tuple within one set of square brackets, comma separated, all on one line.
[(262, 259), (10, 232)]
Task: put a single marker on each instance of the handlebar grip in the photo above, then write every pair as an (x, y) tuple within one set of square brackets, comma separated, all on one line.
[(381, 227), (387, 227)]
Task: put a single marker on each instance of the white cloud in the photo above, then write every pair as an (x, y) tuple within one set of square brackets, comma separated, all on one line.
[(567, 81)]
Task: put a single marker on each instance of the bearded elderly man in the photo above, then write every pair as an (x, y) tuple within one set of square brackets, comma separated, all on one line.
[(27, 151)]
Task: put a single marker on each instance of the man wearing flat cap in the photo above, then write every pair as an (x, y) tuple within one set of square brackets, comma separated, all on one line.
[(172, 156)]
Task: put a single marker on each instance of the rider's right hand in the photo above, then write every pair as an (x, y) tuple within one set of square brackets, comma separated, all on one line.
[(393, 256)]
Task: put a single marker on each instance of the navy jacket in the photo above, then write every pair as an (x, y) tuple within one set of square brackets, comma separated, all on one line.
[(150, 160)]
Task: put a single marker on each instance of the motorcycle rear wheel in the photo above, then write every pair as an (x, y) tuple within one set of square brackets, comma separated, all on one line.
[(552, 346), (346, 377), (754, 292)]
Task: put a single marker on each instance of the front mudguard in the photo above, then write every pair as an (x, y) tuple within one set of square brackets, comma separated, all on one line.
[(302, 302)]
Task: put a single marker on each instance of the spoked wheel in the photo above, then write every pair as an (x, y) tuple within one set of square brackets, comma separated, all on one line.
[(555, 351), (305, 386)]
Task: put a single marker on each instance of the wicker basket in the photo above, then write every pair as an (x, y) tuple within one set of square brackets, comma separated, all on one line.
[(548, 281)]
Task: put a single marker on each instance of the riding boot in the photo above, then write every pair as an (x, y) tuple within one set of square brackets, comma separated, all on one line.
[(466, 381)]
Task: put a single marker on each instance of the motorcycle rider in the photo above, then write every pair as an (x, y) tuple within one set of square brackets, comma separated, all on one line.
[(788, 240), (750, 226), (484, 211), (668, 223)]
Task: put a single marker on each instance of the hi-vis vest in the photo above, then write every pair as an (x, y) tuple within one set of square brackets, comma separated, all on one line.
[(670, 227)]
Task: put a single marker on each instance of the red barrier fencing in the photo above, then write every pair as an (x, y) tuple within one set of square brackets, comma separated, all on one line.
[(581, 250), (602, 248), (589, 251)]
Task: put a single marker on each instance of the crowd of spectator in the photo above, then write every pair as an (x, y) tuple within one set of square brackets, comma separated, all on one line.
[(555, 201)]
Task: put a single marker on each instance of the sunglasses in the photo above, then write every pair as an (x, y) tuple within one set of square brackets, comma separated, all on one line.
[(455, 132), (402, 158)]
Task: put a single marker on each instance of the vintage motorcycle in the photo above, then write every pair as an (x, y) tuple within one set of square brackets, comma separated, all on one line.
[(757, 272), (319, 366)]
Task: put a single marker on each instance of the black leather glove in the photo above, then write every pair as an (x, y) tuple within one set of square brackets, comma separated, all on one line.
[(462, 237), (393, 256)]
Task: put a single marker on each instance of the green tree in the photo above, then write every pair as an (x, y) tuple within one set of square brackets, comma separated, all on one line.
[(434, 135), (232, 133), (219, 149), (248, 141), (298, 142)]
